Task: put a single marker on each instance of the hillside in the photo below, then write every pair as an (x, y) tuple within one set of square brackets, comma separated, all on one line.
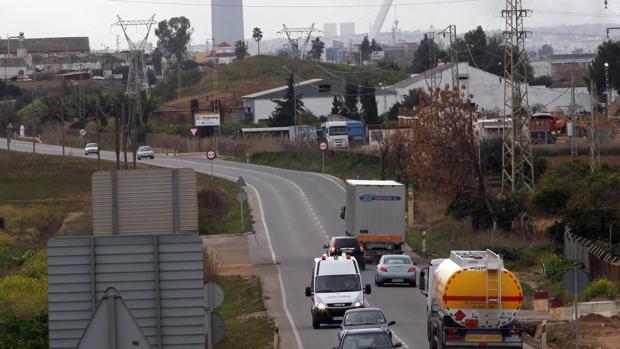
[(259, 73)]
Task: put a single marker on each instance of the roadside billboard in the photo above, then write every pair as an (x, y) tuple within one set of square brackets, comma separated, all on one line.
[(202, 120)]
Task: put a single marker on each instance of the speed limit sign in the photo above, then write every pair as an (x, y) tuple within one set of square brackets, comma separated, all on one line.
[(323, 146), (211, 155)]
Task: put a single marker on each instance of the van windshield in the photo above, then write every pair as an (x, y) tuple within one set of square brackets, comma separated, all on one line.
[(337, 283), (338, 131)]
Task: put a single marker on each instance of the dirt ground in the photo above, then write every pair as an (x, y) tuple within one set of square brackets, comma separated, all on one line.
[(595, 332)]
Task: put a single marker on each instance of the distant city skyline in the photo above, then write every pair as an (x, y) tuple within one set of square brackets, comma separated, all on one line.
[(44, 18)]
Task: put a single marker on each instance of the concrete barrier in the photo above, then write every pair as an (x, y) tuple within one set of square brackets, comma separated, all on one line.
[(603, 308)]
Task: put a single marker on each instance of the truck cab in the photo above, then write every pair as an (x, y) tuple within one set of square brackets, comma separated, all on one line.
[(336, 133), (335, 287)]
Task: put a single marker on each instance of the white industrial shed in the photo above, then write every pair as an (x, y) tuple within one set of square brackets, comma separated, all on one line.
[(487, 90), (317, 95)]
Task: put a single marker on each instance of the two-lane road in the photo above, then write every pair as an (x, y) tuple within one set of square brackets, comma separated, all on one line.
[(300, 211)]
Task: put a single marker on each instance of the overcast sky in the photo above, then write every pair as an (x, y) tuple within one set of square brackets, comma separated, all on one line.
[(92, 18)]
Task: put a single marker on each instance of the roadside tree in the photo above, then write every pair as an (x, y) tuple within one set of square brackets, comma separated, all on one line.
[(284, 113), (316, 52), (257, 35), (241, 49)]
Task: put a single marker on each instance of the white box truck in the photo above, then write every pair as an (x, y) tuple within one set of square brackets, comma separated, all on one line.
[(375, 214)]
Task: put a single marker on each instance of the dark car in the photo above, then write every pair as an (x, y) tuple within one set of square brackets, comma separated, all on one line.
[(367, 338), (364, 318), (338, 245)]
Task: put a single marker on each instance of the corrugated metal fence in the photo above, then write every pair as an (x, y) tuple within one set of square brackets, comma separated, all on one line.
[(598, 261), (160, 278)]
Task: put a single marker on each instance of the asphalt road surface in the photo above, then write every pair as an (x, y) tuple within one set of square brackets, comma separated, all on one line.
[(301, 211)]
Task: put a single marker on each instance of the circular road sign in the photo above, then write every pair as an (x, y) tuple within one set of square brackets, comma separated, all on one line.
[(241, 196), (323, 146), (214, 295), (211, 155), (82, 132)]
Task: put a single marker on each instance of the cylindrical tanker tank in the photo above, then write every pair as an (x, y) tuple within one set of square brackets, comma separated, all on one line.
[(469, 294)]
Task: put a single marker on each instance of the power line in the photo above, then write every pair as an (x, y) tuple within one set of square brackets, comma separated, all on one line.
[(424, 3)]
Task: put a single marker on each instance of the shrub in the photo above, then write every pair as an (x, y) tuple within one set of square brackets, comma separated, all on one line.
[(23, 297), (24, 333), (555, 266), (10, 259), (36, 266), (600, 288)]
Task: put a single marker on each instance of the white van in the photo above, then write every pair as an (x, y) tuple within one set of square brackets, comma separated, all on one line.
[(336, 286)]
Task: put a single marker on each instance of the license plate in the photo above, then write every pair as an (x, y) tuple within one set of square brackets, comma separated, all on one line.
[(513, 339), (483, 338), (397, 280)]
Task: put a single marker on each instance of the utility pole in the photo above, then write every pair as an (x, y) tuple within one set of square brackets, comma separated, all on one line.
[(454, 54), (607, 91), (517, 159), (574, 147), (299, 51), (595, 151)]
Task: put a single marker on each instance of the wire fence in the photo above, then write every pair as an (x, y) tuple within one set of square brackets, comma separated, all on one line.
[(599, 261)]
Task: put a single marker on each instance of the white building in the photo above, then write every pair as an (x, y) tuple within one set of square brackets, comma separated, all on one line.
[(227, 21), (347, 29), (330, 30), (317, 96), (14, 69), (487, 90)]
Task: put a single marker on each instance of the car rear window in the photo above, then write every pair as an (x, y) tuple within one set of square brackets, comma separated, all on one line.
[(346, 243), (364, 318), (397, 260), (91, 145)]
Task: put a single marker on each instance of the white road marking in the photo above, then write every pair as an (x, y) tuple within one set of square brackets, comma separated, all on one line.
[(273, 259)]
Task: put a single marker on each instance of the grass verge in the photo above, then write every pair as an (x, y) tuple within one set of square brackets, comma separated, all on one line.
[(219, 212), (344, 165), (247, 323)]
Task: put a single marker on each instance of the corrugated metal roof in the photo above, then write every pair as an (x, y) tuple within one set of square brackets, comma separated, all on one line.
[(160, 278), (157, 201)]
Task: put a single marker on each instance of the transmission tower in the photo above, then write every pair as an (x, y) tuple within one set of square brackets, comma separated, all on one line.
[(431, 75), (294, 35), (595, 150), (517, 160), (454, 54), (137, 79)]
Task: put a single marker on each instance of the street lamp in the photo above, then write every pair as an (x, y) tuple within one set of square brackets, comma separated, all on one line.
[(608, 95), (6, 109)]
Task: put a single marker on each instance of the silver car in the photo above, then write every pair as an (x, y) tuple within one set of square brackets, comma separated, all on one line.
[(396, 269), (91, 148), (145, 152)]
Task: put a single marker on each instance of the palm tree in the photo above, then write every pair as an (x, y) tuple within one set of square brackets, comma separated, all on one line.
[(257, 35)]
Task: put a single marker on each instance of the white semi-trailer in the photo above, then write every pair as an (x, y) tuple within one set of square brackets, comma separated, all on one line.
[(472, 301), (375, 214)]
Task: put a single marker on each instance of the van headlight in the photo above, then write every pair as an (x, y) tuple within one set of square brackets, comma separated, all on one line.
[(359, 302), (320, 305)]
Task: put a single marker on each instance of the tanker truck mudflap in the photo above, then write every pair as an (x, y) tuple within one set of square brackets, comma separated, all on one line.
[(472, 301)]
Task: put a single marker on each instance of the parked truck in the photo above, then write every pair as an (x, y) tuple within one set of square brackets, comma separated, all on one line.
[(472, 301), (375, 215)]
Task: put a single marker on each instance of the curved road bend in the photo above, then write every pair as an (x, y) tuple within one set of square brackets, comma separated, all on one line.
[(301, 211)]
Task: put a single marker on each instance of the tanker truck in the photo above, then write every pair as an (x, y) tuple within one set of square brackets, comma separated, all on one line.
[(472, 301)]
